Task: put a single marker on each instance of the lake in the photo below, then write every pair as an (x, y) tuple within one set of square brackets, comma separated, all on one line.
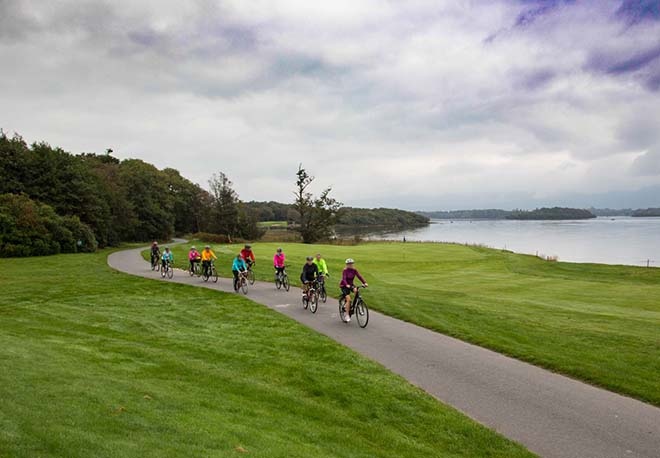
[(616, 240)]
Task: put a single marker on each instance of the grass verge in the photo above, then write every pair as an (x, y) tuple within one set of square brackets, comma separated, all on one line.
[(594, 322), (99, 363)]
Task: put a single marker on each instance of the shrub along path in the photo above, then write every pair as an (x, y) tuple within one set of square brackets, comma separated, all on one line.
[(552, 415)]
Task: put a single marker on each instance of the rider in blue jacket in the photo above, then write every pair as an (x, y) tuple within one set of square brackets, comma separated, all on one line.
[(237, 266)]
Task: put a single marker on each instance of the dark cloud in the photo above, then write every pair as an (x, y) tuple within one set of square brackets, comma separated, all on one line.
[(535, 9), (536, 79), (637, 11), (643, 64), (617, 65)]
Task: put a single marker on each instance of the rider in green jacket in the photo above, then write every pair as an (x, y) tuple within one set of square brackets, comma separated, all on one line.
[(322, 266)]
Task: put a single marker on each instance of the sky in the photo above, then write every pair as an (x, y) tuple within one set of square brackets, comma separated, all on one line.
[(427, 105)]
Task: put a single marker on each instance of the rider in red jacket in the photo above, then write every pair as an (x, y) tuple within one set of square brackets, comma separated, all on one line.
[(248, 255)]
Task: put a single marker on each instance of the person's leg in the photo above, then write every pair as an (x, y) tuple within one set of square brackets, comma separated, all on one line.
[(235, 272), (347, 306)]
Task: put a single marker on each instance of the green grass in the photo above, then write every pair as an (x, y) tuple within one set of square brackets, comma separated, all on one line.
[(594, 322), (273, 224), (98, 363)]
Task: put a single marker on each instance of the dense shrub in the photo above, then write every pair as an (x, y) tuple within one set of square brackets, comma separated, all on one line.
[(30, 228), (211, 238)]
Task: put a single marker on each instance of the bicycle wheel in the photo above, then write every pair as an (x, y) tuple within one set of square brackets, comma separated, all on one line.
[(170, 272), (191, 271), (158, 267), (214, 274), (305, 301), (314, 302), (362, 313), (323, 294), (163, 272), (250, 276), (285, 282), (342, 309), (244, 286), (205, 275)]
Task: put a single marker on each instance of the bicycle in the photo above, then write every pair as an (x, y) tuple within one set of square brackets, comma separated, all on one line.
[(242, 282), (167, 270), (196, 269), (155, 262), (211, 273), (358, 308), (320, 282), (250, 273), (311, 298), (282, 279)]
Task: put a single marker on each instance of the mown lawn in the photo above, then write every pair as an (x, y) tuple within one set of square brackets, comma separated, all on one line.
[(594, 322), (95, 363)]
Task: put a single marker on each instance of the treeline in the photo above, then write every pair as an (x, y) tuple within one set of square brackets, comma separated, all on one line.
[(554, 213), (382, 217), (612, 211), (273, 211), (52, 201), (541, 213), (646, 212), (346, 216), (468, 214)]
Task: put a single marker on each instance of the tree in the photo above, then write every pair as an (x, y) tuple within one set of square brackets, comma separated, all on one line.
[(187, 197), (225, 206), (230, 216), (317, 215), (147, 191)]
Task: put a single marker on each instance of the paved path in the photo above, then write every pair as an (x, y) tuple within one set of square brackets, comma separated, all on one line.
[(552, 415)]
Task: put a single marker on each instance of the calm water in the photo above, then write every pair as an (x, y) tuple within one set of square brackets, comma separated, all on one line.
[(619, 240)]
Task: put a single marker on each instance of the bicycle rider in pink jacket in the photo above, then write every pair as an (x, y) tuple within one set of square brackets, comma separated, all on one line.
[(278, 262)]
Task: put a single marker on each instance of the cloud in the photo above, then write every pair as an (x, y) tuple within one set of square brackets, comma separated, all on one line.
[(647, 164), (422, 99)]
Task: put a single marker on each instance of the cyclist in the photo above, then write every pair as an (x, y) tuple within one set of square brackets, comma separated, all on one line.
[(278, 262), (347, 285), (194, 257), (322, 266), (167, 257), (309, 274), (207, 256), (248, 255), (237, 266), (155, 253)]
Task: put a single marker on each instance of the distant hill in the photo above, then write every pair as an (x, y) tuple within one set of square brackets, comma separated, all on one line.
[(554, 213), (646, 212)]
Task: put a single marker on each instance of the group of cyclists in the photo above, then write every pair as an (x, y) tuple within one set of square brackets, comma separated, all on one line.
[(314, 271)]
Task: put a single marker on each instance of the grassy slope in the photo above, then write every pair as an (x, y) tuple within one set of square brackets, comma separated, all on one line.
[(98, 363), (594, 322)]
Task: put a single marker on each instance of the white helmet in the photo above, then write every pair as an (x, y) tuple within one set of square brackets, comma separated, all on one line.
[(350, 261)]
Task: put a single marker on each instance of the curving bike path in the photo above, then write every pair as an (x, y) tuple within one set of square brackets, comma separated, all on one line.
[(552, 415)]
